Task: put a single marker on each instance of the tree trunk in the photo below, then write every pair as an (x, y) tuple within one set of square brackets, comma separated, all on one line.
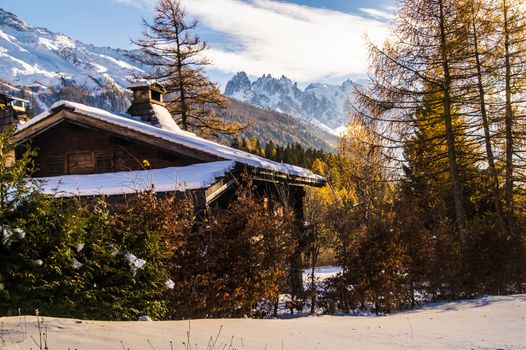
[(450, 133), (485, 124), (413, 302), (314, 259), (508, 121), (276, 304), (182, 89)]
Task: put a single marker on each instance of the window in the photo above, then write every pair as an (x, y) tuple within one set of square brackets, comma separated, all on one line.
[(156, 95), (81, 163)]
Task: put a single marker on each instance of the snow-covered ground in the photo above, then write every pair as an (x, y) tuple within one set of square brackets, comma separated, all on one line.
[(321, 273), (484, 323)]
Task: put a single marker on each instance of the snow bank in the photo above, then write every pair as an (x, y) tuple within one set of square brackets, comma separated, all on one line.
[(162, 180), (484, 323), (181, 138)]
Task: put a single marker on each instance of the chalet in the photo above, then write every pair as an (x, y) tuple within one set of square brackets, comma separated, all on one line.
[(86, 151)]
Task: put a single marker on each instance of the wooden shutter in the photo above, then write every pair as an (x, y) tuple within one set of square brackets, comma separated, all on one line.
[(81, 163)]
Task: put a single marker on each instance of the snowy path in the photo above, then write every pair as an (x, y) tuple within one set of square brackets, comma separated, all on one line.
[(484, 323)]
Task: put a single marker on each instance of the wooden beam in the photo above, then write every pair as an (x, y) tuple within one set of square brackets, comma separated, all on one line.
[(36, 129), (216, 190)]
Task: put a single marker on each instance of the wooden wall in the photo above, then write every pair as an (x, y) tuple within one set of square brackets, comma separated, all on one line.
[(68, 148), (7, 117)]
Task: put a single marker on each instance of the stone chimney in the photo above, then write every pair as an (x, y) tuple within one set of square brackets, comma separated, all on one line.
[(12, 111), (148, 105)]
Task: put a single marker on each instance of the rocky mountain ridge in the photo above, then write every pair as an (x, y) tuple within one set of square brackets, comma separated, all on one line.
[(323, 105)]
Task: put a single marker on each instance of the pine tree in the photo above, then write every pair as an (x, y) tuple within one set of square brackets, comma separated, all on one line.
[(270, 150), (480, 17), (172, 54), (425, 60), (512, 28)]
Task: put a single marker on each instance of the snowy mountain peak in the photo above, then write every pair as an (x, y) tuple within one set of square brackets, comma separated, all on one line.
[(10, 19), (30, 54), (321, 104), (239, 82)]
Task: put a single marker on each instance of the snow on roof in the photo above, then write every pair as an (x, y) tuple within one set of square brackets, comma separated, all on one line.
[(165, 118), (172, 179), (145, 83), (12, 98), (180, 137)]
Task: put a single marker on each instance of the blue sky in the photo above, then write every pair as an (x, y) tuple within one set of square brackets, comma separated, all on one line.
[(307, 40)]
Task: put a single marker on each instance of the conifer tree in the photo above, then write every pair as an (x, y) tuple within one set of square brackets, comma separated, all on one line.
[(423, 61), (480, 17), (172, 54), (512, 29)]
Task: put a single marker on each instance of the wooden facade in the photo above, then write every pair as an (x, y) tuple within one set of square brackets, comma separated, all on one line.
[(70, 148)]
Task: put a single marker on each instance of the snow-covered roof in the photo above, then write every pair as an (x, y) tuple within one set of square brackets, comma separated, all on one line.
[(172, 179), (12, 98), (146, 83), (179, 137), (165, 118)]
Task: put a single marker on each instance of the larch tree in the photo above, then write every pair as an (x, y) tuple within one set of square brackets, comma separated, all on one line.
[(480, 18), (512, 34), (421, 63), (445, 112), (173, 54)]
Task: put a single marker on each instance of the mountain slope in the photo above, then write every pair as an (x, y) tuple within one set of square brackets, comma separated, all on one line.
[(320, 104), (278, 127), (31, 55)]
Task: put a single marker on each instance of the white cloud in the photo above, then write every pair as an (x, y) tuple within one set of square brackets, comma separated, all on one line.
[(304, 43), (389, 15), (134, 3)]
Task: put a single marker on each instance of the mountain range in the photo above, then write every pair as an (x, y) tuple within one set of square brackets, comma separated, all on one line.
[(323, 105), (43, 67)]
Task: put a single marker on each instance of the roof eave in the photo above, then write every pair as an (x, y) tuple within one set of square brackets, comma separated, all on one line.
[(275, 176)]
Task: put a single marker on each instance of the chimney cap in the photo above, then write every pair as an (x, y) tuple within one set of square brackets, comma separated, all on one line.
[(151, 85)]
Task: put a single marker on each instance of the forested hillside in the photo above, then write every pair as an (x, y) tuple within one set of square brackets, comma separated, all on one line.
[(281, 128)]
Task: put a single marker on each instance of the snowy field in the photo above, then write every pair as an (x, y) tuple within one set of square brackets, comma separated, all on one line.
[(321, 273), (484, 323)]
